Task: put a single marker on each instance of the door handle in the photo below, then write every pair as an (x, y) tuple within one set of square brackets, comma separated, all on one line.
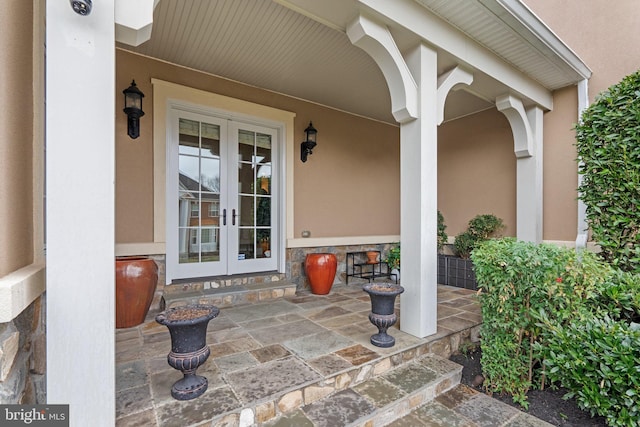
[(233, 217), (224, 217)]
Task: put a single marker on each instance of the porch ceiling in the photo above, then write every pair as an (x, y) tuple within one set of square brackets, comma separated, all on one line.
[(300, 48)]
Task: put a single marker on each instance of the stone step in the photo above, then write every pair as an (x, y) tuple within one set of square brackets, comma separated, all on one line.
[(386, 396), (227, 292)]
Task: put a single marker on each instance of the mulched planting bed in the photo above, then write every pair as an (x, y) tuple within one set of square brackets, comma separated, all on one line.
[(547, 404)]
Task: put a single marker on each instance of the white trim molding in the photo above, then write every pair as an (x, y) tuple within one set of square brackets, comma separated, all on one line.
[(149, 248), (315, 242), (19, 289)]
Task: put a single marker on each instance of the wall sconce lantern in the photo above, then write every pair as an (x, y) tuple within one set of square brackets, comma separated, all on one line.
[(133, 108), (309, 143)]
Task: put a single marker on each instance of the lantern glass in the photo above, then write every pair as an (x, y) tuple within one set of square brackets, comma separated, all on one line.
[(132, 100), (311, 133)]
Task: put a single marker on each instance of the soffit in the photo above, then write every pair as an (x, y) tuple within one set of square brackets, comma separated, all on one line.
[(299, 48), (267, 45), (511, 31)]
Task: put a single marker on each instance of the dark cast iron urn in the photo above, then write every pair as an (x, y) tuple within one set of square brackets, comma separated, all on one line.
[(188, 328), (383, 316)]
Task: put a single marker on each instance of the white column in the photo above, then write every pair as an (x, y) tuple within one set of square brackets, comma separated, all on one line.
[(526, 126), (80, 211), (529, 184), (418, 201)]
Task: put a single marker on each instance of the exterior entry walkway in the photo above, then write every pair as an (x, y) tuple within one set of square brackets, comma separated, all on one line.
[(306, 360)]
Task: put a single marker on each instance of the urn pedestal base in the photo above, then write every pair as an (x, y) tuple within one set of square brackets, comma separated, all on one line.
[(191, 385), (383, 322)]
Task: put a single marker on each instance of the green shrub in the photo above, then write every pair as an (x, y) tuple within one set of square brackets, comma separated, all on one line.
[(608, 145), (554, 315), (442, 235), (479, 229), (598, 359), (516, 280), (393, 258), (620, 296)]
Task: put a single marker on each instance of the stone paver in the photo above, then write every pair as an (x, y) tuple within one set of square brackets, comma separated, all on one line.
[(184, 413), (316, 345), (273, 377), (339, 409), (304, 360)]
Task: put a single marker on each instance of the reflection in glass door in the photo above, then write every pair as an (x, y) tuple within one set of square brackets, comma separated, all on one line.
[(199, 192), (196, 177)]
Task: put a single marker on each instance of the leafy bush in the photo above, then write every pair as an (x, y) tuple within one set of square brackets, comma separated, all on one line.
[(516, 280), (393, 259), (554, 315), (620, 296), (598, 359), (442, 235), (479, 229), (608, 137)]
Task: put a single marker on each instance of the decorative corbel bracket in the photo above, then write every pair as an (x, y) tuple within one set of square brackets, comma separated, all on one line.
[(515, 113), (449, 81), (375, 39)]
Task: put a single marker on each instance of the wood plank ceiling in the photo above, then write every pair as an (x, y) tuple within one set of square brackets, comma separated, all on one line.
[(265, 44)]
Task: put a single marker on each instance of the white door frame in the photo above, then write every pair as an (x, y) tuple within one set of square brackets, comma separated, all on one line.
[(279, 173)]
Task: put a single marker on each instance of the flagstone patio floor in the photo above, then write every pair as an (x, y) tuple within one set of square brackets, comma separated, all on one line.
[(292, 360)]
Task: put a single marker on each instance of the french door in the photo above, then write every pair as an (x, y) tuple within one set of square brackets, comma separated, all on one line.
[(221, 203)]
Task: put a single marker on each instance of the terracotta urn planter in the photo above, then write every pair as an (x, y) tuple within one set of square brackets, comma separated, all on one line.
[(383, 316), (188, 328), (321, 271), (372, 257), (136, 280)]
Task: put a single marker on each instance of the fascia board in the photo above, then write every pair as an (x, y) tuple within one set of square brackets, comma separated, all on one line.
[(433, 30), (522, 20)]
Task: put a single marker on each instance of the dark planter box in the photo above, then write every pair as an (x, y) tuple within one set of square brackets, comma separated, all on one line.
[(442, 269), (455, 271)]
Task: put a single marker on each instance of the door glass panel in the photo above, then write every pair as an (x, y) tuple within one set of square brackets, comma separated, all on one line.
[(246, 211), (246, 244), (189, 137), (210, 140), (264, 242), (263, 212), (199, 191), (246, 146), (254, 202), (210, 175), (210, 238), (263, 148), (245, 178), (189, 250)]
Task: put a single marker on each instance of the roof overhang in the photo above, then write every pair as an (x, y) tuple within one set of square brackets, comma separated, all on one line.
[(302, 49)]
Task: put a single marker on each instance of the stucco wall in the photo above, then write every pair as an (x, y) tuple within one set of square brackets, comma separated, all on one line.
[(477, 171), (16, 136), (605, 36), (348, 187)]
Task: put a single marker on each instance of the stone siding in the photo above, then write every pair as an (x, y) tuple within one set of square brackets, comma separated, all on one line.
[(296, 256), (23, 356)]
